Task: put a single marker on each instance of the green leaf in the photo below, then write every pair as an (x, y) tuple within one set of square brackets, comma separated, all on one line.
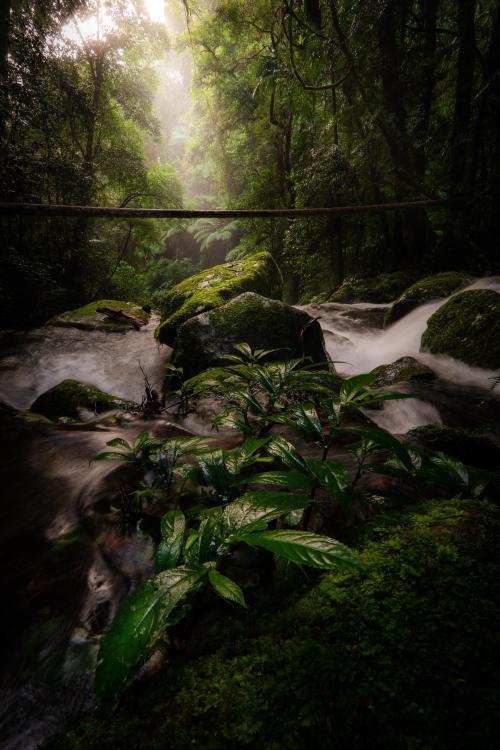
[(255, 510), (119, 441), (286, 452), (292, 479), (173, 525), (114, 456), (136, 628), (226, 588), (335, 479), (305, 548)]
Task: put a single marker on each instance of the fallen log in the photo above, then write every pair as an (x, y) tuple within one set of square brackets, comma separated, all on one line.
[(119, 316)]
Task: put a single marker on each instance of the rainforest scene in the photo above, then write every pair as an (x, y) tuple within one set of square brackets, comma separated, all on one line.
[(250, 374)]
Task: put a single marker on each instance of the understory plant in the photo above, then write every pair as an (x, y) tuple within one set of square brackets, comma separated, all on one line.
[(218, 499)]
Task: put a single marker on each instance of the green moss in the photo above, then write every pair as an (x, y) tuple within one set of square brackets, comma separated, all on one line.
[(382, 288), (216, 286), (432, 287), (467, 327), (66, 398), (469, 447), (89, 319), (402, 658), (402, 370), (203, 341)]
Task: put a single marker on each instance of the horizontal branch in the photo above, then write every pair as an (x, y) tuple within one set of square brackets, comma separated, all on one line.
[(44, 209)]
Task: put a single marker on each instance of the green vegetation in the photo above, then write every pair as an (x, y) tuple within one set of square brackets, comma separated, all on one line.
[(382, 288), (68, 397), (209, 289), (404, 656), (433, 287), (467, 327)]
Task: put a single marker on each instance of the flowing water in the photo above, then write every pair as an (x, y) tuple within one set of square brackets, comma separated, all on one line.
[(356, 341), (63, 565), (36, 360)]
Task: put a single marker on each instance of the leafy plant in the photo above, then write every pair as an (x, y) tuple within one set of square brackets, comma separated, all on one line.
[(187, 559)]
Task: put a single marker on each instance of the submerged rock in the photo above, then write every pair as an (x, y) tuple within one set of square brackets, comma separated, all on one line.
[(203, 340), (382, 288), (89, 319), (467, 327), (439, 286), (402, 370), (67, 398), (216, 286)]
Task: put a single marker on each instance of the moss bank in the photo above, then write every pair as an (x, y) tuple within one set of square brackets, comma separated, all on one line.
[(380, 289), (467, 327), (216, 286), (439, 286), (402, 658), (68, 397), (89, 319)]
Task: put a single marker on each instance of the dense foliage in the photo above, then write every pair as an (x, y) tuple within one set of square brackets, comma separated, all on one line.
[(328, 102), (402, 657)]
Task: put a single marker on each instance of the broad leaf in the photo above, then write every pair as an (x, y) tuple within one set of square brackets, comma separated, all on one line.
[(226, 588), (286, 452), (305, 548), (136, 628), (255, 510), (173, 525), (292, 479)]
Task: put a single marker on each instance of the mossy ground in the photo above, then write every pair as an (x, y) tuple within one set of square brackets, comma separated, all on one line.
[(88, 318), (432, 287), (467, 327), (380, 289), (402, 658), (216, 286), (68, 397), (203, 340)]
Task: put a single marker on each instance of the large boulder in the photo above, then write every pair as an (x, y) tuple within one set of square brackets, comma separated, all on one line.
[(467, 327), (204, 340), (439, 286), (67, 399), (88, 319), (216, 286), (379, 289)]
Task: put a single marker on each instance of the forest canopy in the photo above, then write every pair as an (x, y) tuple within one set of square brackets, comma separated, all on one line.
[(289, 104)]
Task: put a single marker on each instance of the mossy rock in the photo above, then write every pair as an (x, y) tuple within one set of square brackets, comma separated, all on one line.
[(380, 289), (405, 657), (439, 286), (216, 286), (470, 448), (68, 397), (467, 327), (401, 371), (264, 323), (88, 319)]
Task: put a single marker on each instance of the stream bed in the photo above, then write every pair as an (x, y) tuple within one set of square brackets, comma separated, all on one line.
[(63, 566)]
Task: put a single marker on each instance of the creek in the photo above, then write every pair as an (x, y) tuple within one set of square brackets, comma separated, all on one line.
[(64, 566)]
